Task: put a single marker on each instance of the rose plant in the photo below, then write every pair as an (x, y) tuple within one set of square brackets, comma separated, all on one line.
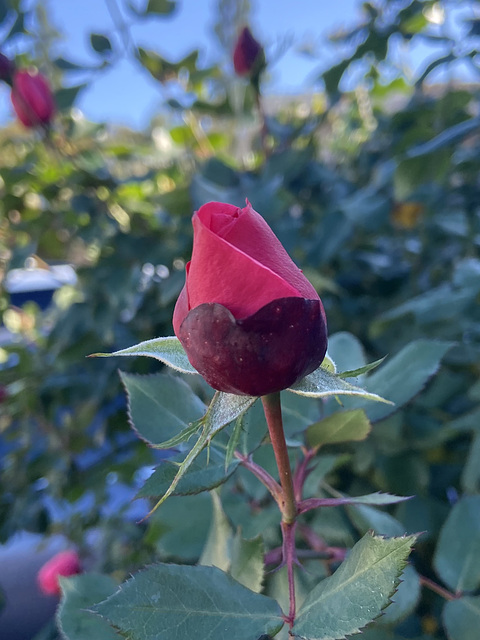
[(250, 322), (338, 222)]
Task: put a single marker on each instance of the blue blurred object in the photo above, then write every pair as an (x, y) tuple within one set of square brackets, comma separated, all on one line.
[(37, 285), (27, 610)]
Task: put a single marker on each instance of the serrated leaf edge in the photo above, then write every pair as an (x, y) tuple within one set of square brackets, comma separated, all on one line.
[(403, 564)]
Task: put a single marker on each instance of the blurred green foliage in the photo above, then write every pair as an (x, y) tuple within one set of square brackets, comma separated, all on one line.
[(374, 193)]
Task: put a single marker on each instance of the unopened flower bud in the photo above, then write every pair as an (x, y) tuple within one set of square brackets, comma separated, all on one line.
[(32, 98), (248, 55)]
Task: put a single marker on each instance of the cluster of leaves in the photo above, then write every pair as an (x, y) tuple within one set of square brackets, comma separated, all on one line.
[(377, 199)]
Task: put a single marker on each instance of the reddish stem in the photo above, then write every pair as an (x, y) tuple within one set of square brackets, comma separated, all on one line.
[(302, 471), (288, 507), (439, 590), (264, 477), (274, 556), (273, 415), (315, 542), (290, 559)]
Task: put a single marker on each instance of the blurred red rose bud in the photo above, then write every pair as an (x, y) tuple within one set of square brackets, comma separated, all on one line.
[(64, 563), (248, 319), (248, 55), (32, 98), (6, 68), (3, 393)]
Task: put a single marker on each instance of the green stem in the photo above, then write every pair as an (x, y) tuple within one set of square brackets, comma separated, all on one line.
[(263, 121), (273, 415)]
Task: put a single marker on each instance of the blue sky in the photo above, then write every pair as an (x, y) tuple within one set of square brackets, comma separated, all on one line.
[(128, 95)]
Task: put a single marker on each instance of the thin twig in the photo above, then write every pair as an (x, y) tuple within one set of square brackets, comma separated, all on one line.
[(438, 589), (265, 478)]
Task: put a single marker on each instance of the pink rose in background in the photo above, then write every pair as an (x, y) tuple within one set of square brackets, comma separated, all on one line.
[(248, 53), (32, 98), (248, 319), (64, 563)]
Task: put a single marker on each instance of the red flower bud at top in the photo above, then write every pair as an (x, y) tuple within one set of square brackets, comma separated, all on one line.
[(248, 319), (64, 563), (32, 98), (6, 68), (247, 53)]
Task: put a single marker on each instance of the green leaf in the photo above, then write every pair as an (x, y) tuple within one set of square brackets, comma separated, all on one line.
[(461, 618), (357, 592), (346, 350), (79, 593), (67, 65), (160, 7), (324, 464), (329, 364), (458, 546), (216, 552), (179, 529), (353, 373), (183, 467), (234, 441), (447, 138), (405, 599), (343, 426), (4, 10), (366, 517), (248, 566), (405, 375), (333, 75), (471, 470), (168, 601), (167, 350), (161, 406), (17, 27), (162, 69), (223, 409), (322, 384), (298, 413), (205, 473), (65, 98), (100, 44), (377, 498)]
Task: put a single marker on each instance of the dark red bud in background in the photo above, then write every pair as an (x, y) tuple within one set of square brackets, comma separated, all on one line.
[(248, 54), (6, 68), (32, 98)]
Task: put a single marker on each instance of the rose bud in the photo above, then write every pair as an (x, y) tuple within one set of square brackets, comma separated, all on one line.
[(32, 98), (64, 563), (248, 55), (6, 68), (248, 319)]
